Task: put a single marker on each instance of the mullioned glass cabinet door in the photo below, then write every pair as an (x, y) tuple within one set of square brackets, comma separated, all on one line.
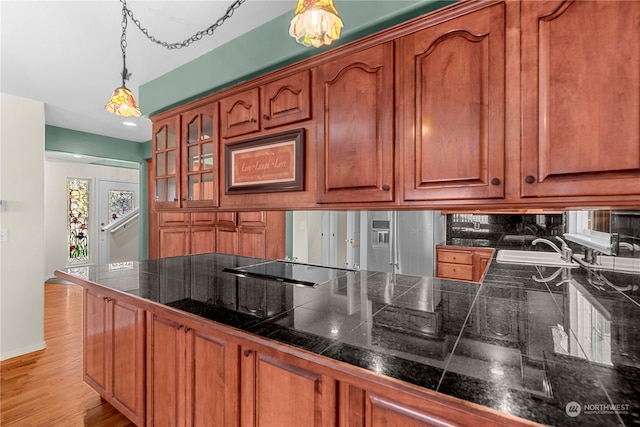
[(200, 143), (166, 163)]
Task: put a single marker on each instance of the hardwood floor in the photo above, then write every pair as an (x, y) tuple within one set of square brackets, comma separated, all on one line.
[(45, 388)]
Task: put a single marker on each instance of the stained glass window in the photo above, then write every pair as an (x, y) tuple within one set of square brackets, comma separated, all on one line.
[(120, 202), (78, 209)]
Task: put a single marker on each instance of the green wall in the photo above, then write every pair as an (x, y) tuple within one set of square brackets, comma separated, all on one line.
[(267, 48), (115, 152)]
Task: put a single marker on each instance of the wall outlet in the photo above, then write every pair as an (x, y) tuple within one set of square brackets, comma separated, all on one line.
[(4, 234)]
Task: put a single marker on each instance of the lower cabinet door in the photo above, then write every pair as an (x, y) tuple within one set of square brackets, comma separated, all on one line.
[(192, 377), (127, 350), (95, 341), (277, 392), (165, 377), (213, 397)]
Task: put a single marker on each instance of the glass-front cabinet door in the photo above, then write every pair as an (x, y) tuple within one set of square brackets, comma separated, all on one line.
[(199, 177), (166, 159)]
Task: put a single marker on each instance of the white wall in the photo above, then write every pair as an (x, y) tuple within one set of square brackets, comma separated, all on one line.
[(56, 174), (22, 255)]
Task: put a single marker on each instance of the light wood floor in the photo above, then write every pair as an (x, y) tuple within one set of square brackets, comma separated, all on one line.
[(45, 388)]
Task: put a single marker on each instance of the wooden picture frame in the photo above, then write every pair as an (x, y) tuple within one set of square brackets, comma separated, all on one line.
[(266, 164)]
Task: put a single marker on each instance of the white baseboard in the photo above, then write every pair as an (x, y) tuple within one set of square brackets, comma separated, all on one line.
[(23, 351)]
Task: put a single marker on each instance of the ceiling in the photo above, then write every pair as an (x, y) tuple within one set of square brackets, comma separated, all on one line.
[(67, 53)]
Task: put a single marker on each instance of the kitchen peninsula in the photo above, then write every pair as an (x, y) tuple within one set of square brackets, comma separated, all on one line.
[(368, 348)]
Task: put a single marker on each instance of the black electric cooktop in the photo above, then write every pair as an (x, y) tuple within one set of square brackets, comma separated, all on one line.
[(296, 273)]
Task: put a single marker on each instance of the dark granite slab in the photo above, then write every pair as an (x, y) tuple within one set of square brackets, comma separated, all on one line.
[(527, 341)]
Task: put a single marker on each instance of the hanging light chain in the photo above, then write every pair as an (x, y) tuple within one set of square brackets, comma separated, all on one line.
[(194, 38), (123, 43)]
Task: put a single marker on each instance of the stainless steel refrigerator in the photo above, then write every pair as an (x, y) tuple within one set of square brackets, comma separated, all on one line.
[(401, 241)]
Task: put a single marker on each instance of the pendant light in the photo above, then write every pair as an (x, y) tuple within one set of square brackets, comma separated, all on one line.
[(315, 23), (122, 102)]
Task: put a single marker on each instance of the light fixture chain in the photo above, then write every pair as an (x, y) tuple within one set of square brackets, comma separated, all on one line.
[(197, 36)]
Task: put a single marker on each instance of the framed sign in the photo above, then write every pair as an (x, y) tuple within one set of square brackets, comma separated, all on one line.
[(268, 164)]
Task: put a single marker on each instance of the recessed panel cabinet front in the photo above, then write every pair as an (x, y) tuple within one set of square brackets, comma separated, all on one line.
[(114, 353), (453, 83), (355, 127), (277, 392), (580, 98), (192, 376)]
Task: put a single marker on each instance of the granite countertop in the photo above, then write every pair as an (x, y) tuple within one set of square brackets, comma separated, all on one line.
[(527, 341)]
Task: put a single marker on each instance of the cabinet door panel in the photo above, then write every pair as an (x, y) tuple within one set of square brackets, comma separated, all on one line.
[(128, 359), (287, 100), (253, 219), (252, 242), (200, 157), (287, 395), (95, 341), (454, 88), (355, 130), (203, 240), (166, 161), (174, 242), (581, 98), (165, 370), (383, 412), (213, 388), (226, 240), (239, 114)]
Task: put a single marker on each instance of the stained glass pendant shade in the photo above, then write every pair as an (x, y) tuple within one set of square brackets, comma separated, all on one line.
[(123, 103), (315, 23)]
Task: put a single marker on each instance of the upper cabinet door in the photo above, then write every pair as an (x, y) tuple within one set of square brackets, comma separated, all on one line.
[(286, 100), (580, 98), (453, 80), (356, 127), (200, 154), (166, 160), (240, 113)]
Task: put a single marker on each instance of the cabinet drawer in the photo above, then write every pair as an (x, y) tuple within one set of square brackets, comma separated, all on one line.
[(455, 257), (228, 219), (454, 271)]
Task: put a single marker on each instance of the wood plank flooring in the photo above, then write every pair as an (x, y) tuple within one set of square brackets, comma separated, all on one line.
[(45, 388)]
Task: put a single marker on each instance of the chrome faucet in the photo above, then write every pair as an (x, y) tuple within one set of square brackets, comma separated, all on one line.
[(565, 253)]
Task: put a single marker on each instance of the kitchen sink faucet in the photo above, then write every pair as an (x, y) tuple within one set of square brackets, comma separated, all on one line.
[(565, 253)]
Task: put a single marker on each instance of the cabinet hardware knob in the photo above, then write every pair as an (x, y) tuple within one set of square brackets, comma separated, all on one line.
[(253, 120), (495, 181), (178, 327), (247, 353), (175, 199), (186, 330), (264, 116), (385, 187), (530, 179)]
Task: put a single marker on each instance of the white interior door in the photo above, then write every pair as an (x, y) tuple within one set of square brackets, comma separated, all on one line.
[(114, 199)]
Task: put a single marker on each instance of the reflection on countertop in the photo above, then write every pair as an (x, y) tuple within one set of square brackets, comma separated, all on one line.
[(526, 341)]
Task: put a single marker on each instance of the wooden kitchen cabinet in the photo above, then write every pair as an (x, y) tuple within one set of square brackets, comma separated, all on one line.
[(580, 98), (114, 337), (200, 151), (166, 163), (185, 163), (462, 263), (280, 390), (355, 131), (192, 375), (453, 82), (283, 101), (185, 233), (258, 234)]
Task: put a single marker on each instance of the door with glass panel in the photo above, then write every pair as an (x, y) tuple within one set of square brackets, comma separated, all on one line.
[(199, 148), (166, 158)]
